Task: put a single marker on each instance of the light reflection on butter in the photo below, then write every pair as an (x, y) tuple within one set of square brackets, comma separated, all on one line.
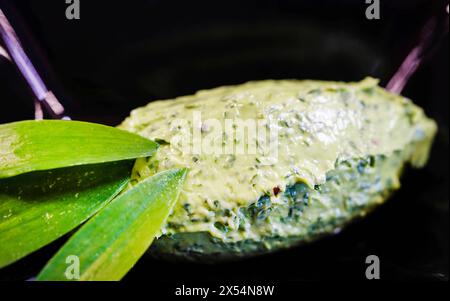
[(316, 124)]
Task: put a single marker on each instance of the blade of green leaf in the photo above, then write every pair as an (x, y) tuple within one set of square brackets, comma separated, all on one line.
[(48, 144), (39, 207), (110, 243)]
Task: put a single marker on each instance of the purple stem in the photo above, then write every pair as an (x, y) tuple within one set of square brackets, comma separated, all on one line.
[(45, 97), (417, 54)]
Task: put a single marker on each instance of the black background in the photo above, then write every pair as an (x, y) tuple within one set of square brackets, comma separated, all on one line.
[(122, 54)]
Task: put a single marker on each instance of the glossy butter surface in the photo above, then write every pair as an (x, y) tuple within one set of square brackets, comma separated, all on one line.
[(325, 130)]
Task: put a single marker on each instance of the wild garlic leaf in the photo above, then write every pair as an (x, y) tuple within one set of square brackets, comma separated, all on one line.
[(27, 146), (110, 243), (39, 207)]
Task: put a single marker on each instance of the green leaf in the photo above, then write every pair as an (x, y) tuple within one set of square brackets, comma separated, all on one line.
[(110, 243), (39, 207), (48, 144)]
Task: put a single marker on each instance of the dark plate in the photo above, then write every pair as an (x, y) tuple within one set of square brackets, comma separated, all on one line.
[(121, 55)]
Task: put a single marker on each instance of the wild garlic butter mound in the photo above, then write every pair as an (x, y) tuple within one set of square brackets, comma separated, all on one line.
[(339, 150)]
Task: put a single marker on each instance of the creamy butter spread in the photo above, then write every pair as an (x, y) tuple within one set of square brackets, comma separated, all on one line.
[(319, 126)]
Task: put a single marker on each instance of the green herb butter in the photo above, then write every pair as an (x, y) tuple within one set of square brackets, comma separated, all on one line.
[(340, 150)]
